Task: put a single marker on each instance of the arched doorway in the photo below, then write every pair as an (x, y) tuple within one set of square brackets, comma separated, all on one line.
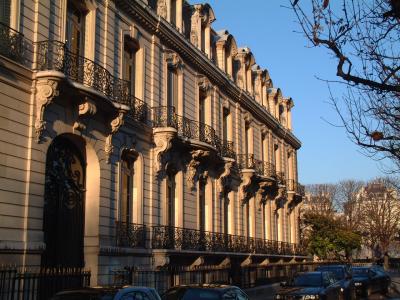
[(64, 202)]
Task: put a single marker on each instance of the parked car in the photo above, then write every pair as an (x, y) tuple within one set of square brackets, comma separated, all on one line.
[(343, 275), (205, 291), (368, 280), (109, 293), (311, 285)]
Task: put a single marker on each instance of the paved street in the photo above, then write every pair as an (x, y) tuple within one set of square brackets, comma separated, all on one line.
[(267, 292)]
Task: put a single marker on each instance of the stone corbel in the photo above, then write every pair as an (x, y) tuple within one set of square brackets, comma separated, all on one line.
[(174, 60), (85, 109), (163, 143), (46, 90), (281, 198), (115, 126), (227, 178), (262, 193), (193, 169), (246, 187), (204, 84)]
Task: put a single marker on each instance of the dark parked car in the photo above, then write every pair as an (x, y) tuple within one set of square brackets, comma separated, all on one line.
[(343, 275), (109, 293), (311, 285), (368, 280), (205, 291)]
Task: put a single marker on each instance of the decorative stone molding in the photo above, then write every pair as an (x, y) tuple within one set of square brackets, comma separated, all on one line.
[(228, 178), (85, 109), (193, 169), (46, 90), (163, 141), (204, 84), (281, 198), (194, 34), (263, 192), (162, 8), (173, 60), (115, 125), (245, 189)]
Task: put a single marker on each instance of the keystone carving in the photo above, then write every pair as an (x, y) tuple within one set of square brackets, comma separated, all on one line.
[(115, 125), (162, 8), (193, 170), (227, 179), (204, 84), (45, 92), (163, 142), (87, 108), (174, 60)]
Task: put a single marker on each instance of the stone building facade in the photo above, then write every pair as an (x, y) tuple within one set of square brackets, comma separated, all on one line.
[(133, 133)]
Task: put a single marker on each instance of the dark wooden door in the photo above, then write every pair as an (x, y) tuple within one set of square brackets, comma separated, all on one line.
[(64, 199)]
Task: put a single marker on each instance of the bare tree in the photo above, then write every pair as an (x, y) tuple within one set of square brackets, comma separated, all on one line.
[(380, 213), (348, 204), (363, 36), (320, 198)]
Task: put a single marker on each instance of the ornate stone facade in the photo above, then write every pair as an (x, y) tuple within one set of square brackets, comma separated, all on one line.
[(177, 131)]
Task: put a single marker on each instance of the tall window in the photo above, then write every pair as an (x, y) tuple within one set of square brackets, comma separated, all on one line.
[(202, 204), (127, 186), (246, 138), (276, 158), (263, 156), (173, 12), (129, 62), (5, 11), (247, 214), (226, 216), (75, 29), (225, 116), (171, 187), (264, 220), (202, 108), (172, 87)]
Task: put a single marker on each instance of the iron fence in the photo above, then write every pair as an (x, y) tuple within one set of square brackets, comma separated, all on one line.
[(42, 284), (131, 235), (176, 238), (54, 55), (14, 46)]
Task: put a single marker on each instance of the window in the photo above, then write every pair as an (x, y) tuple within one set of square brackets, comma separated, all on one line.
[(127, 185), (202, 204), (226, 215), (173, 12), (247, 212), (225, 116), (264, 220), (75, 29), (129, 62), (281, 114), (172, 88), (246, 138), (171, 187), (5, 11)]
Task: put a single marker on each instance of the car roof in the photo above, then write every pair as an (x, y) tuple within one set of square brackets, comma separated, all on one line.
[(207, 286), (103, 289)]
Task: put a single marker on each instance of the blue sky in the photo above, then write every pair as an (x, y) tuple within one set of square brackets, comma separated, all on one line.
[(268, 29)]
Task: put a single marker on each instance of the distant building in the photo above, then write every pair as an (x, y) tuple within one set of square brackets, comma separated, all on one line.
[(134, 134)]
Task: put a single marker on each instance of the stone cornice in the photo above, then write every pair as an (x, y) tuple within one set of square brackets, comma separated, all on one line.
[(144, 14)]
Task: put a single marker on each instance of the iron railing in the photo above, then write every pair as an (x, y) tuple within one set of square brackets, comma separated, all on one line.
[(281, 178), (32, 284), (139, 110), (176, 238), (262, 168), (246, 161), (130, 235), (294, 186), (165, 116), (54, 55), (14, 46)]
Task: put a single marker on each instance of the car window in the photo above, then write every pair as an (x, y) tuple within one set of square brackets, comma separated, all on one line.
[(201, 294), (307, 280), (241, 296), (128, 296), (337, 272), (229, 295)]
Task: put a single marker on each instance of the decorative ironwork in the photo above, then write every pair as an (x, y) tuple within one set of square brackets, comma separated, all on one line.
[(293, 186), (13, 45), (139, 110), (246, 161), (54, 55), (225, 148), (262, 168), (130, 235), (281, 177), (176, 238)]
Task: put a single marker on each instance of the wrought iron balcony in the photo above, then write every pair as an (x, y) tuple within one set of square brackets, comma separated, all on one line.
[(175, 238), (54, 55), (226, 148), (130, 235), (281, 178), (14, 46), (296, 187), (246, 161), (262, 168), (139, 110), (165, 116)]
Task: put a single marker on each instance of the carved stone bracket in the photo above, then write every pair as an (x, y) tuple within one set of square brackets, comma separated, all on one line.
[(281, 198), (246, 187), (173, 60), (85, 109), (194, 168), (265, 189), (163, 141), (204, 84), (46, 90), (162, 8), (228, 178), (115, 125)]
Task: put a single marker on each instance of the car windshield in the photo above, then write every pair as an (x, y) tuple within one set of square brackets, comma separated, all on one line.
[(360, 271), (337, 272), (86, 296), (191, 294), (308, 280)]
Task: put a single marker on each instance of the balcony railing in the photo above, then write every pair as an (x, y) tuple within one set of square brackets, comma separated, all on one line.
[(130, 235), (175, 238), (281, 178), (54, 55), (165, 116), (139, 110), (262, 168), (14, 46)]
